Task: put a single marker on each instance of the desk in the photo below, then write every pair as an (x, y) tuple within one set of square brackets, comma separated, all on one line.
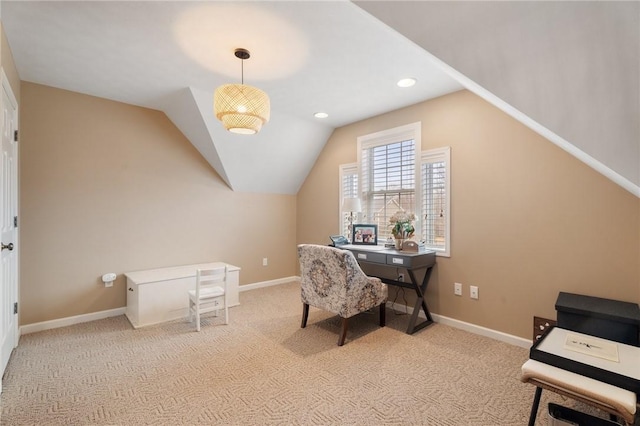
[(411, 262)]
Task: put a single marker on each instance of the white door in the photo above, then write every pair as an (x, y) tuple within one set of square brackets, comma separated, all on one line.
[(8, 225)]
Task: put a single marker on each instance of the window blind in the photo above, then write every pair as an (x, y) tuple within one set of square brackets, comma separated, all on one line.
[(388, 182)]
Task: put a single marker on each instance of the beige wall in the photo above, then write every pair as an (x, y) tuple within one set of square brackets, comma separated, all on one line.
[(110, 187), (528, 220)]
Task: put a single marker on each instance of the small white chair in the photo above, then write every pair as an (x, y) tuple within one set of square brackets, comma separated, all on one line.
[(210, 294)]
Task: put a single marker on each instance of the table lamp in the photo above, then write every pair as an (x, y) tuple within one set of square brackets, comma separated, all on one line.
[(351, 205)]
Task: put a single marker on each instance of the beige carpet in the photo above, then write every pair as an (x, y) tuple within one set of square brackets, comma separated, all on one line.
[(263, 368)]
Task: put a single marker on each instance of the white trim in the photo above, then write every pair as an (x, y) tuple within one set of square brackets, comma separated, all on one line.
[(411, 131), (439, 154), (537, 127), (483, 331), (472, 328), (269, 283), (77, 319), (466, 326), (6, 86), (385, 137)]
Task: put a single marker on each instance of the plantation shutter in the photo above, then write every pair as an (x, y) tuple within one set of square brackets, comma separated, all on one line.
[(435, 178)]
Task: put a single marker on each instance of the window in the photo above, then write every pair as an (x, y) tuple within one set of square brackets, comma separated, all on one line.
[(393, 174), (388, 163), (435, 211), (348, 189)]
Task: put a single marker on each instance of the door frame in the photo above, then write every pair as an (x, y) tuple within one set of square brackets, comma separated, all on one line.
[(6, 86)]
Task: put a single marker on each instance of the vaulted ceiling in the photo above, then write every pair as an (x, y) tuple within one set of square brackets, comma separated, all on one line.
[(340, 58), (569, 70)]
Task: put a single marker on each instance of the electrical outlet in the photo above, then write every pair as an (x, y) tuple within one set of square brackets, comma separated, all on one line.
[(473, 291), (265, 261), (457, 289)]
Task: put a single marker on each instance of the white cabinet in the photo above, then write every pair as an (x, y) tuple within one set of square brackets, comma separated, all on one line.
[(159, 295)]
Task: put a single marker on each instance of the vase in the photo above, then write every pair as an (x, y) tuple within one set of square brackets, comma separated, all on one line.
[(399, 242)]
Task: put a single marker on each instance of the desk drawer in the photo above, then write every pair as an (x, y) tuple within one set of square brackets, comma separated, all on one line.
[(362, 256), (411, 260), (399, 261)]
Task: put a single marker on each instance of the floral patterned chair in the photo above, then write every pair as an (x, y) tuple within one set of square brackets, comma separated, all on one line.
[(331, 279)]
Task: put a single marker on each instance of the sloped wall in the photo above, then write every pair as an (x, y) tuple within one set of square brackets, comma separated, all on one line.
[(573, 67), (110, 187), (528, 219)]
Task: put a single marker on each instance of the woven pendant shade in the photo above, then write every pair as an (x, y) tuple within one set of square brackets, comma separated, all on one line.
[(241, 108)]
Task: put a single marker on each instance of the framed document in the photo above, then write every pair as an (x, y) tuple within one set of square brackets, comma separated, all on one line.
[(600, 359)]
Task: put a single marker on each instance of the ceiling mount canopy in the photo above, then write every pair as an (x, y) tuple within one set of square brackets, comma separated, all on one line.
[(241, 108)]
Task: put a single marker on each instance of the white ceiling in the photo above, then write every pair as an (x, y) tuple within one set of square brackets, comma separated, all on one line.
[(171, 55)]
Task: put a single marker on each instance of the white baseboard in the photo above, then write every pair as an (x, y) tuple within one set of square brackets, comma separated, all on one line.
[(483, 331), (64, 322), (466, 326), (78, 319), (269, 283), (471, 328)]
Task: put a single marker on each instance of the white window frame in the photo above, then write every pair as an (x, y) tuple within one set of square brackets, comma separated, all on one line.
[(431, 156), (412, 131)]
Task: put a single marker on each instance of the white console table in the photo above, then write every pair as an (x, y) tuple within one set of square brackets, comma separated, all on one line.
[(159, 295)]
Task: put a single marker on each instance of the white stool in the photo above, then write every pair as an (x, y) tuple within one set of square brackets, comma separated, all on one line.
[(609, 398)]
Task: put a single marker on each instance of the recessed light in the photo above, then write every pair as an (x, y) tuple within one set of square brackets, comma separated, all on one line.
[(320, 115), (406, 82)]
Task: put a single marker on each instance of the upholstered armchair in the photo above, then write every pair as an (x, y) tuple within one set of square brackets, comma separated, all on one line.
[(331, 279)]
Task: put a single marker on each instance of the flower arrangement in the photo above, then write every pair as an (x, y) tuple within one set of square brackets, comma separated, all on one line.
[(402, 224)]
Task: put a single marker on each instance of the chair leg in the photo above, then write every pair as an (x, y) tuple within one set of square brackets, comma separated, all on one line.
[(343, 335), (383, 319), (226, 314), (197, 318), (305, 315)]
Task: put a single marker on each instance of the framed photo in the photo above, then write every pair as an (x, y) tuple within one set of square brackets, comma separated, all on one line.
[(365, 234)]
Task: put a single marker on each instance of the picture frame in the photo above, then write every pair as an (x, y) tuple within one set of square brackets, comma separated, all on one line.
[(365, 234)]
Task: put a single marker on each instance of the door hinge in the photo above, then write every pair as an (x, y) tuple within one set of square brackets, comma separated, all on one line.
[(15, 136), (15, 221), (15, 308)]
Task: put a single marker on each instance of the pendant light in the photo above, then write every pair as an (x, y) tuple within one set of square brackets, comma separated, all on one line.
[(241, 108)]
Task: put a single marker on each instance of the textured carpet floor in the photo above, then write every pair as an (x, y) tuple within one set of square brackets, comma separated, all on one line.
[(263, 368)]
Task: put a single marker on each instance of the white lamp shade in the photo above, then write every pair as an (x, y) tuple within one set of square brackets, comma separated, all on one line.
[(351, 205), (241, 108)]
